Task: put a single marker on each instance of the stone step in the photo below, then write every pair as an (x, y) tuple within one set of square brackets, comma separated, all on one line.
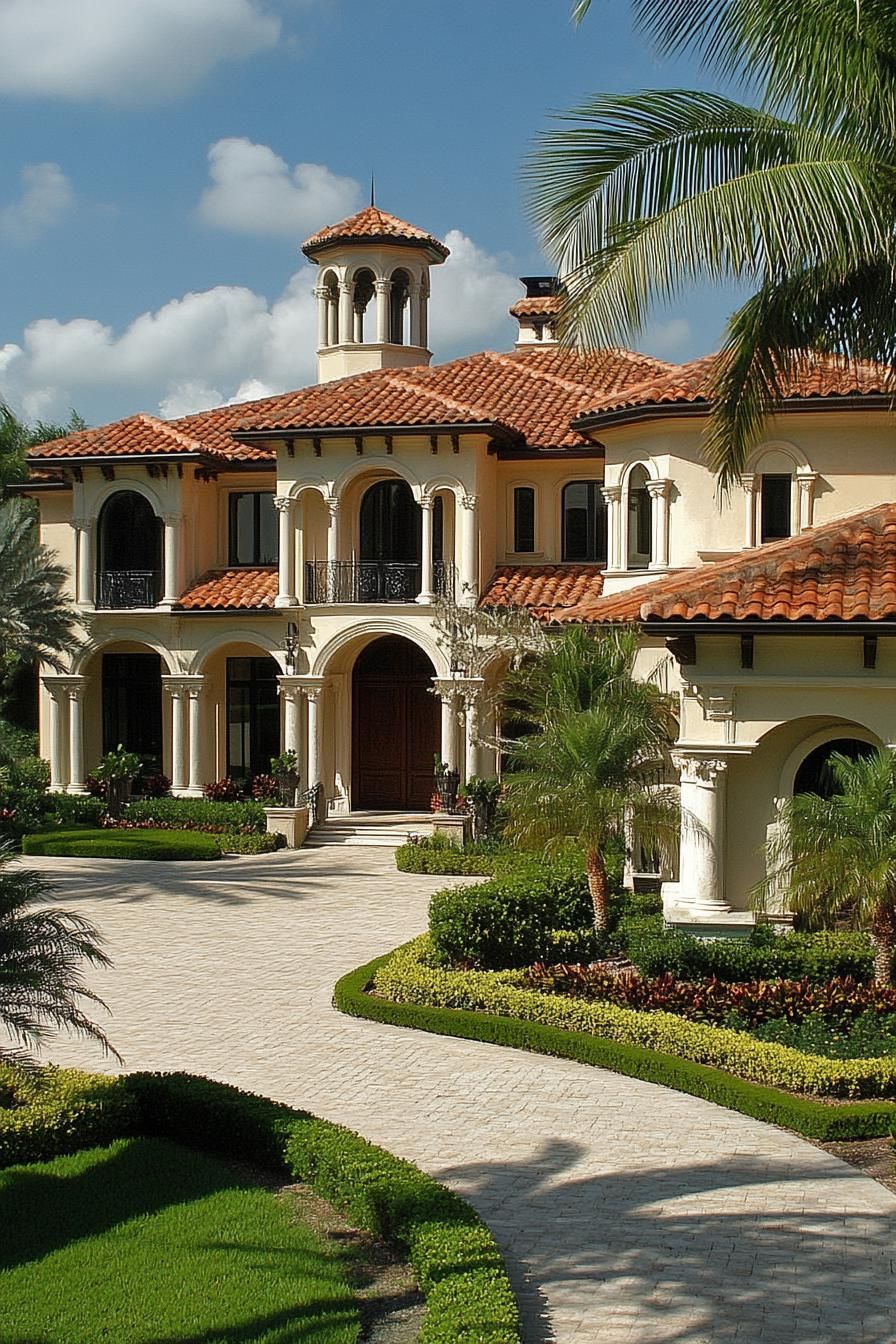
[(364, 832)]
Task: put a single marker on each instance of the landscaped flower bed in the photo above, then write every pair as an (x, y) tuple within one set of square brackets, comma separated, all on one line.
[(123, 844)]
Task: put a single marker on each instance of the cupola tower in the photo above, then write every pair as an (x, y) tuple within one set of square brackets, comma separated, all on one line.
[(372, 293)]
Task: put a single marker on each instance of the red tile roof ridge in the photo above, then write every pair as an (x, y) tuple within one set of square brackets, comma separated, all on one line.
[(533, 371), (169, 428), (372, 223), (409, 385)]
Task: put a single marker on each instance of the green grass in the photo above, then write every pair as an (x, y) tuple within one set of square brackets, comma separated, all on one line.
[(81, 843), (146, 1241)]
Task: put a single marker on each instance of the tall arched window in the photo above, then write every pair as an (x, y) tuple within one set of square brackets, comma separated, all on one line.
[(330, 286), (639, 519), (523, 519), (584, 522), (129, 552), (391, 540), (398, 302), (364, 288)]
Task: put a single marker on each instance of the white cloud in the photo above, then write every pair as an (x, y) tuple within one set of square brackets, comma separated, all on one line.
[(667, 340), (227, 344), (254, 191), (471, 293), (129, 51), (45, 197)]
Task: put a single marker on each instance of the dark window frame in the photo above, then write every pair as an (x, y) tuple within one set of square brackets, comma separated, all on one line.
[(596, 540), (778, 498), (233, 548), (523, 528)]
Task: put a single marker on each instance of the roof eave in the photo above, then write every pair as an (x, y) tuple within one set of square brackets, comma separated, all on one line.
[(845, 401), (436, 252), (495, 428)]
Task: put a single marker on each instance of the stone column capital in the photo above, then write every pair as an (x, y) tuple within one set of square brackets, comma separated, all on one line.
[(283, 503), (750, 481), (426, 503), (706, 770), (312, 687), (180, 683), (172, 519), (382, 285), (61, 684), (611, 493), (291, 686), (659, 488), (83, 524), (469, 502), (333, 504)]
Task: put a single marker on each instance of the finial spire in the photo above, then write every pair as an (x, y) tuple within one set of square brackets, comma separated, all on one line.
[(372, 189)]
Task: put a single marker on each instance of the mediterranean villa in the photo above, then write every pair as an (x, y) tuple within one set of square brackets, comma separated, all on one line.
[(262, 576)]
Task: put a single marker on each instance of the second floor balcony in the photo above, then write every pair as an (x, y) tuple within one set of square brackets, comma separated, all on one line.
[(361, 581), (118, 589)]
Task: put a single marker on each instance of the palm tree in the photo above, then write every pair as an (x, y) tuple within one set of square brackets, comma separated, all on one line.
[(795, 197), (42, 952), (16, 437), (36, 616), (586, 770), (834, 856)]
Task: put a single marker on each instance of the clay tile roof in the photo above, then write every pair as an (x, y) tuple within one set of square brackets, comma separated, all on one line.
[(231, 590), (842, 571), (542, 305), (138, 434), (372, 225), (690, 384), (543, 589)]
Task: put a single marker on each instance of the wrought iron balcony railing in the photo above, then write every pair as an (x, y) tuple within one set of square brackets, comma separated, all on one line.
[(119, 588), (329, 581)]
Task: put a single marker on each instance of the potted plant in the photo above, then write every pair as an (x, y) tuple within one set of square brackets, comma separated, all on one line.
[(283, 813), (447, 782), (483, 796), (285, 769), (117, 771)]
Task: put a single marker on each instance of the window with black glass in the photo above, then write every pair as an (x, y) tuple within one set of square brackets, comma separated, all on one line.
[(584, 521), (640, 520), (252, 528), (253, 718), (774, 506), (524, 518)]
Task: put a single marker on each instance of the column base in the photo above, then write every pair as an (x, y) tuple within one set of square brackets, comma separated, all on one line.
[(195, 791), (424, 599), (77, 789), (708, 909), (285, 600)]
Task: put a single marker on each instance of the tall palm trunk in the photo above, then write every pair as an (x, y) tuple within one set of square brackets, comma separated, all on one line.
[(883, 929), (599, 889)]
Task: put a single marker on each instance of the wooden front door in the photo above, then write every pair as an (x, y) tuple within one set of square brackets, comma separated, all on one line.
[(395, 727)]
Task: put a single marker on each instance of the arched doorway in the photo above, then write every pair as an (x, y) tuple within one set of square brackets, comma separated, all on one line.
[(395, 726), (391, 538), (129, 570), (815, 775)]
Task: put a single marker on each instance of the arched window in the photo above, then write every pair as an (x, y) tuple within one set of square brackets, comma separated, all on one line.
[(584, 522), (639, 519), (775, 505), (523, 519), (129, 552), (815, 774), (398, 302), (330, 286), (391, 527), (364, 289)]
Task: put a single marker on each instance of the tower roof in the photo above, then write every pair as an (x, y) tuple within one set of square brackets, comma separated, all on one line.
[(372, 225)]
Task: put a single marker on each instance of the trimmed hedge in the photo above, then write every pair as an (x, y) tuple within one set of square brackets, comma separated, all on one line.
[(233, 842), (196, 814), (813, 1119), (445, 860), (115, 844), (765, 955), (52, 1111), (459, 1267)]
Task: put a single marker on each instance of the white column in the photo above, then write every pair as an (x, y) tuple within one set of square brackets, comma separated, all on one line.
[(286, 583), (314, 689), (423, 329), (383, 291), (659, 492), (702, 877), (76, 735), (195, 781), (332, 319), (58, 732), (414, 302), (805, 481), (750, 483), (346, 312), (84, 594), (471, 690), (426, 594), (612, 494), (177, 690), (291, 694), (171, 580), (321, 294), (469, 564), (446, 689)]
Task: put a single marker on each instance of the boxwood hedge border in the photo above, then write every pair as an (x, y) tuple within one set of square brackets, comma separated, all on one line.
[(827, 1121), (460, 1269)]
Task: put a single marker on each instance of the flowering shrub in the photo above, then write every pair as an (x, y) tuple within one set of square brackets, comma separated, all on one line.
[(155, 786), (221, 791), (266, 789), (194, 814)]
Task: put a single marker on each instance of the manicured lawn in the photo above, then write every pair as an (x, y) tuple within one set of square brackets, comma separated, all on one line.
[(148, 1241), (80, 843)]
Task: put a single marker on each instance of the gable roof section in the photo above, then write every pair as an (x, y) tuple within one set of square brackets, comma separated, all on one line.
[(842, 571)]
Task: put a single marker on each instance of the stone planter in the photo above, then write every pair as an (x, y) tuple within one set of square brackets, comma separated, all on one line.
[(291, 822), (456, 825)]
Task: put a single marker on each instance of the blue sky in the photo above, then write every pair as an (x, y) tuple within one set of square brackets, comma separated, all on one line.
[(162, 160)]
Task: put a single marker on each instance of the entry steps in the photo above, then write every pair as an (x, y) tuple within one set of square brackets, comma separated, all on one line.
[(387, 829)]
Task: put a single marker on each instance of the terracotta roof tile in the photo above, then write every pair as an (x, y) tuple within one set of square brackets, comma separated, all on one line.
[(541, 305), (843, 571), (138, 434), (543, 589), (372, 225), (232, 590)]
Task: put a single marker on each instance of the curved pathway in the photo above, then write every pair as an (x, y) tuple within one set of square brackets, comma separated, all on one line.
[(627, 1212)]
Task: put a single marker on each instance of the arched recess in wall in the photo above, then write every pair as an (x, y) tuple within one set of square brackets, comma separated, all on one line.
[(638, 515), (780, 485), (808, 755), (399, 296), (129, 551)]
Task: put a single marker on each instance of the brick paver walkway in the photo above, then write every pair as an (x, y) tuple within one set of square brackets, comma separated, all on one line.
[(627, 1212)]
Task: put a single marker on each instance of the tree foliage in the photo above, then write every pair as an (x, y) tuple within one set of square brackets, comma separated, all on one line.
[(637, 196), (36, 617), (16, 437)]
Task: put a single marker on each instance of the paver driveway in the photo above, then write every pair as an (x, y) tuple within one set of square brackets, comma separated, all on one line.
[(627, 1212)]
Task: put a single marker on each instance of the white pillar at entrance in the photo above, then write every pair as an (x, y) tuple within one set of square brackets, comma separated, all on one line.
[(612, 495), (383, 290), (659, 492), (314, 689), (195, 781), (84, 571), (177, 689), (703, 832), (55, 686), (171, 580), (286, 583), (446, 689), (75, 735), (469, 564), (750, 483), (426, 594), (471, 691), (291, 694)]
